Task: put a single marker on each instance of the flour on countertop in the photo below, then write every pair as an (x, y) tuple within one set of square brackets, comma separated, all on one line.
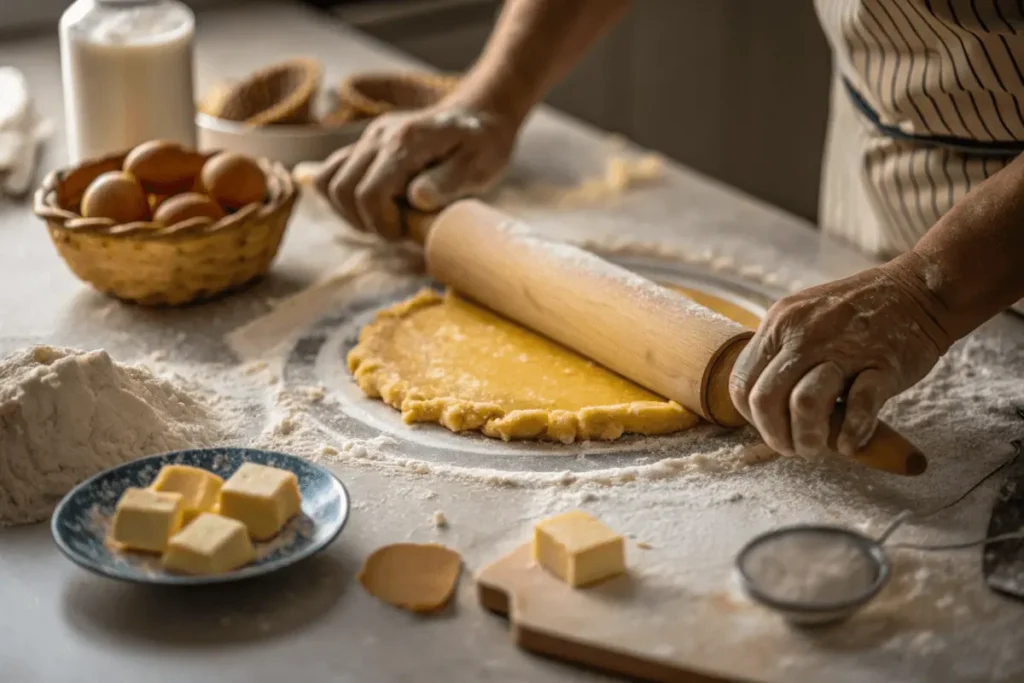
[(383, 453), (674, 492), (621, 174), (689, 502), (962, 395), (269, 334), (963, 404), (66, 415)]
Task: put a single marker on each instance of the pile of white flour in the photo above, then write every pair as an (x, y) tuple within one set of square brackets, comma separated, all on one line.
[(66, 415)]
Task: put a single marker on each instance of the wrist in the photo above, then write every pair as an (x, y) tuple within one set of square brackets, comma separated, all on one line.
[(920, 281), (495, 98), (970, 260)]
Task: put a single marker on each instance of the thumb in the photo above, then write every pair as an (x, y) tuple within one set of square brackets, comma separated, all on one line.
[(868, 393), (439, 186)]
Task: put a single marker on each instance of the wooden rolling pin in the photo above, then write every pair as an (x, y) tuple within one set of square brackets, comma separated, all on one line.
[(653, 336), (656, 337)]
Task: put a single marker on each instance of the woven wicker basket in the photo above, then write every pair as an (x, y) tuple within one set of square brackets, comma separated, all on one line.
[(339, 112), (283, 93), (152, 264), (373, 94)]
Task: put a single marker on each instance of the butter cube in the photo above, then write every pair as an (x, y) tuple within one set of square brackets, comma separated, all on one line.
[(198, 488), (578, 548), (145, 519), (263, 498), (211, 544)]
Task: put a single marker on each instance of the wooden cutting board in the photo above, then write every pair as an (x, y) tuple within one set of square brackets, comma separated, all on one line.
[(579, 625), (641, 627)]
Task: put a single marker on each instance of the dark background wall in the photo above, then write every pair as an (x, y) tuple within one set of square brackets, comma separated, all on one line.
[(737, 89)]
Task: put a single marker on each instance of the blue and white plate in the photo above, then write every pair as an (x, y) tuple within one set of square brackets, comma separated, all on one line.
[(81, 521)]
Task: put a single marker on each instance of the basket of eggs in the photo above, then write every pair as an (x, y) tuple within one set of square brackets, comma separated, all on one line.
[(166, 225)]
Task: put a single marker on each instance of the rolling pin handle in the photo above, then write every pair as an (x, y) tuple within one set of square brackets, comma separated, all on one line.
[(886, 450), (416, 224)]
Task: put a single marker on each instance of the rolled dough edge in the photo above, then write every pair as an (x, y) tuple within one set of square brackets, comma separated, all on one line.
[(377, 379)]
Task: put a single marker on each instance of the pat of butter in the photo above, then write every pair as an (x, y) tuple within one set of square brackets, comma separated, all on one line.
[(145, 519), (211, 544), (578, 548), (198, 488), (263, 498)]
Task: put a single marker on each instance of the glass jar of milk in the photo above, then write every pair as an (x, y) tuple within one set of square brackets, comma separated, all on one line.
[(127, 70)]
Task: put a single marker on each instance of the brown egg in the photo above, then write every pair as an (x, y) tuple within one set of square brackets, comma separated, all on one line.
[(189, 205), (234, 180), (116, 195), (164, 167)]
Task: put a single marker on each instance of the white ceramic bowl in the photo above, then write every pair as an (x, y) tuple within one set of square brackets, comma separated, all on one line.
[(286, 144)]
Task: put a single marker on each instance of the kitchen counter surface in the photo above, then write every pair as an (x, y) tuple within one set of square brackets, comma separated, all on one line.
[(313, 622)]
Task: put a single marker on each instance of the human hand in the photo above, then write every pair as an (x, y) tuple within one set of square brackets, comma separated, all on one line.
[(863, 339), (425, 159)]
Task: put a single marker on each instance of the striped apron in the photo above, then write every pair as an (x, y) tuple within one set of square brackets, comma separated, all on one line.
[(927, 102)]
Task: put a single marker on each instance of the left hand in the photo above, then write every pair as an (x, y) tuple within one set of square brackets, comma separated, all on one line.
[(863, 339), (426, 158)]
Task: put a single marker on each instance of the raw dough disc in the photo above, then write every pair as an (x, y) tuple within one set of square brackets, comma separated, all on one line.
[(416, 577), (443, 359)]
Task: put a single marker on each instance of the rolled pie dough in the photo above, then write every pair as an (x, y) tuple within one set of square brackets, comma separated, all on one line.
[(439, 358)]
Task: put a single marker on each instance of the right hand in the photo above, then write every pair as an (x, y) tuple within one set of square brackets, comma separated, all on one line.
[(424, 159), (864, 339)]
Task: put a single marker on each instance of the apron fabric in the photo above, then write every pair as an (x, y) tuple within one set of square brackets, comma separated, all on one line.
[(927, 101)]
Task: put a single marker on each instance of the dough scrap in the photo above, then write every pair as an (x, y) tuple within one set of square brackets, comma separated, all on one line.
[(416, 577), (443, 359)]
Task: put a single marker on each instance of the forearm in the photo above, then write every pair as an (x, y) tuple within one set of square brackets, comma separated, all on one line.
[(972, 261), (533, 45)]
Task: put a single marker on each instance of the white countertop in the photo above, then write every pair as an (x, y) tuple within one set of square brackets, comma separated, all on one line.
[(313, 622)]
